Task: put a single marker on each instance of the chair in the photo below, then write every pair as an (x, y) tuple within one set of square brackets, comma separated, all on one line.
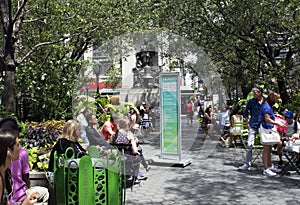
[(93, 151), (240, 132), (131, 162), (257, 150)]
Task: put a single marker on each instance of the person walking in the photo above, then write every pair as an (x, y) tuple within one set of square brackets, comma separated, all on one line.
[(253, 108), (207, 120), (268, 122), (189, 111)]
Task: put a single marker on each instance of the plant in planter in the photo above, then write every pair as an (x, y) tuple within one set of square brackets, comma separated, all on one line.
[(38, 139)]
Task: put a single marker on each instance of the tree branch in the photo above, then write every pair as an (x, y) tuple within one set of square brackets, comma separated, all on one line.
[(39, 45)]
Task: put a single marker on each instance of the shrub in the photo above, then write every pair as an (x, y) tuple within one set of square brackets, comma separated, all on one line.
[(39, 138)]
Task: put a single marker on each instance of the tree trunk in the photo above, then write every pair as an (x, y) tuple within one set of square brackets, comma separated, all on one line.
[(245, 90), (282, 91), (9, 90)]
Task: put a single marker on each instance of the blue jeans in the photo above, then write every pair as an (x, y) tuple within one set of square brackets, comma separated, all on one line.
[(250, 142)]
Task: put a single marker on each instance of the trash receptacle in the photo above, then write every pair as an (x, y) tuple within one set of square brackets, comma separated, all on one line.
[(88, 180)]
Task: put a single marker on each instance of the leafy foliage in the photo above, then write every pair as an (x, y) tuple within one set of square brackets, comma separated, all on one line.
[(38, 139), (45, 42), (262, 35), (294, 105)]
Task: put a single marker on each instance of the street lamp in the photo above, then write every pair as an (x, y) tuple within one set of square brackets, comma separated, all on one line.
[(237, 65), (97, 70), (182, 69), (86, 81)]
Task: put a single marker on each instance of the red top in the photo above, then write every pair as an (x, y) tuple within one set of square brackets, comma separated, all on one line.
[(107, 128), (189, 107)]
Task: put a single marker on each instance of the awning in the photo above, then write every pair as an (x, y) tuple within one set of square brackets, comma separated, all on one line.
[(101, 85)]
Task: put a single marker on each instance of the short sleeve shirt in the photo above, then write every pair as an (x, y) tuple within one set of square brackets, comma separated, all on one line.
[(189, 107), (122, 137), (107, 128), (18, 168), (291, 130), (254, 107), (266, 109)]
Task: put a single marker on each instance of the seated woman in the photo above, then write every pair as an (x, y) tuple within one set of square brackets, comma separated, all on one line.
[(110, 127), (9, 152), (236, 117), (124, 136), (95, 137), (69, 138)]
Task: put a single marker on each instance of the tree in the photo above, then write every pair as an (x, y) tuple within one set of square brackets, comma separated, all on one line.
[(263, 35), (46, 40)]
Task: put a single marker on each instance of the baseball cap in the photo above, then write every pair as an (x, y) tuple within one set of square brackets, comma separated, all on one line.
[(289, 114), (143, 103)]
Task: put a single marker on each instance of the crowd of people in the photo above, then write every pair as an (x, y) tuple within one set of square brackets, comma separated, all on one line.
[(258, 111), (119, 129), (14, 164)]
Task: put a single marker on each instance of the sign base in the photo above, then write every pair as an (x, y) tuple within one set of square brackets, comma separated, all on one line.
[(169, 161)]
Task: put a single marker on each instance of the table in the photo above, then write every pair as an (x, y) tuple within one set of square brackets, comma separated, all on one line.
[(291, 151)]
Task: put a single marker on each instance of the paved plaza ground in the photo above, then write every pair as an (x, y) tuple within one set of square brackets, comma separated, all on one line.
[(211, 178)]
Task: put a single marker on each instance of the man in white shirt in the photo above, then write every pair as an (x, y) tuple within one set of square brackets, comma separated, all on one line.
[(293, 131)]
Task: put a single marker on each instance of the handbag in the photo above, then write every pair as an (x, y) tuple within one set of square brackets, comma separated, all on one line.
[(269, 136)]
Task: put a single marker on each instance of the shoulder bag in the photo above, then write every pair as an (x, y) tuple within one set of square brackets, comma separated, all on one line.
[(269, 136)]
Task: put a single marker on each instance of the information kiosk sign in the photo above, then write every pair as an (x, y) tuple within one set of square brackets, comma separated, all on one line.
[(170, 139)]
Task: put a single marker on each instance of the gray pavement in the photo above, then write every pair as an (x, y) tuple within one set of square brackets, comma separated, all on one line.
[(211, 178)]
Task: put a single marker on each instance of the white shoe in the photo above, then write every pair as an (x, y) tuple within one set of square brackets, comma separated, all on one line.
[(274, 169), (269, 173), (244, 167)]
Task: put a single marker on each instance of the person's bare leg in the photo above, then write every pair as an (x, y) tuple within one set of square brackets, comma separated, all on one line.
[(265, 156)]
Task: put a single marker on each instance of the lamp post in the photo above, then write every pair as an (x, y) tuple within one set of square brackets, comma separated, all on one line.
[(237, 65), (182, 69), (97, 70), (87, 88)]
